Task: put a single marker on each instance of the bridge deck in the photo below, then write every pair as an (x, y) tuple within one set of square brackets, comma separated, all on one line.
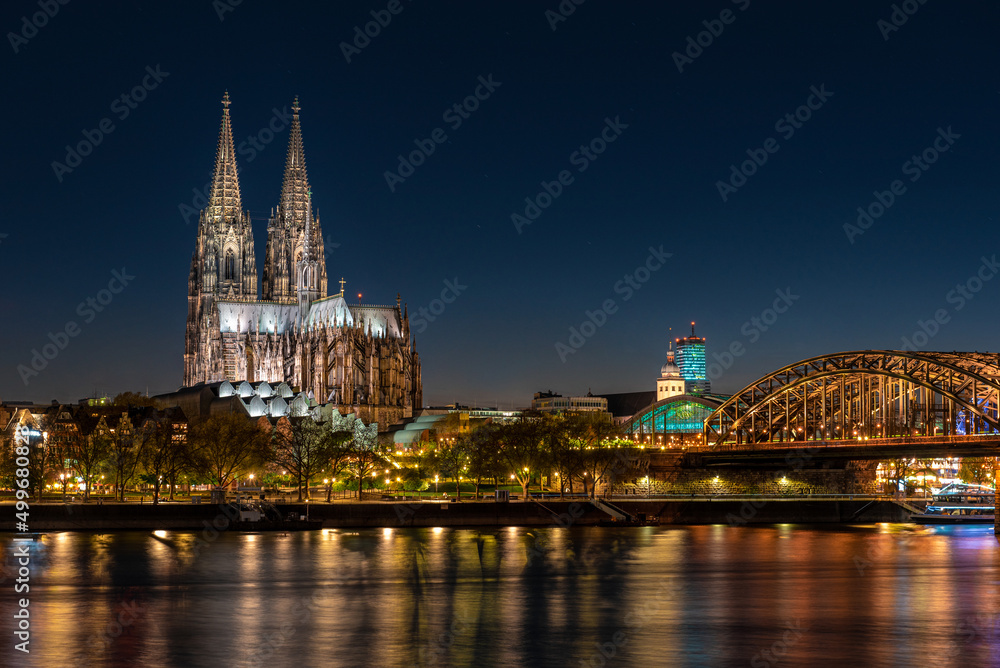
[(910, 447)]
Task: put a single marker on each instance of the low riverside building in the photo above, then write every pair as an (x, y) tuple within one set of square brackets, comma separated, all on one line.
[(549, 402), (432, 424)]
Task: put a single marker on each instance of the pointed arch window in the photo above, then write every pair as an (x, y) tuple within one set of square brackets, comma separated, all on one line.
[(230, 269)]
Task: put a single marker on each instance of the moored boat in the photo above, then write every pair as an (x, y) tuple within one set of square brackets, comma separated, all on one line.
[(262, 516), (960, 503)]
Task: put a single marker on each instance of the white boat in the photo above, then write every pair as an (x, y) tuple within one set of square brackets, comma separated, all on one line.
[(960, 503)]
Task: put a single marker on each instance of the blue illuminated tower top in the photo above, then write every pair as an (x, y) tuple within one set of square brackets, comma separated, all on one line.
[(691, 361)]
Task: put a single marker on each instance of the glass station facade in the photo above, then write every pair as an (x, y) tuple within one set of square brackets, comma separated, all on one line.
[(670, 417)]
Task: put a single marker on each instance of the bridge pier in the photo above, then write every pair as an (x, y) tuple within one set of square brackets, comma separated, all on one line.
[(996, 498)]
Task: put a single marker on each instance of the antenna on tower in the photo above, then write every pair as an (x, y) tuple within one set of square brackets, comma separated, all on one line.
[(692, 328)]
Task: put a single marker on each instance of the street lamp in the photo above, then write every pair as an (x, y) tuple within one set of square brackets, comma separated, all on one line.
[(435, 484)]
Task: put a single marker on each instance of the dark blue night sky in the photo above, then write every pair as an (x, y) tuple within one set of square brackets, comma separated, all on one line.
[(777, 239)]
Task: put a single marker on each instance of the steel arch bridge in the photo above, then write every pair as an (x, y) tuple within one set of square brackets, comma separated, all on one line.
[(864, 395)]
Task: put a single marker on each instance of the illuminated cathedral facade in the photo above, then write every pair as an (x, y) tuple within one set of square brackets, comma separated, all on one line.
[(360, 358)]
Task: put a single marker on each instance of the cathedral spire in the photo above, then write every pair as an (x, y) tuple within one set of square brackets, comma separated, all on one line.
[(288, 240), (295, 187), (224, 203)]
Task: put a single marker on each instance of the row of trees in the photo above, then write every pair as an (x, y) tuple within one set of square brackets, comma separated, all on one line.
[(217, 451), (155, 453), (582, 450), (577, 449), (576, 452)]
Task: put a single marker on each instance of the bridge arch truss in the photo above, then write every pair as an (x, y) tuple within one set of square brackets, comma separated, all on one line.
[(862, 395)]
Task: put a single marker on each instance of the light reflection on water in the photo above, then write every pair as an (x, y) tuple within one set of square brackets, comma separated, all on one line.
[(881, 595)]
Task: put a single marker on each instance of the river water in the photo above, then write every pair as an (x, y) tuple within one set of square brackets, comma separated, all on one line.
[(787, 595)]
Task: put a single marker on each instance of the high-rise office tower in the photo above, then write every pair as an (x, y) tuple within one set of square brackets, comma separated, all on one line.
[(691, 360)]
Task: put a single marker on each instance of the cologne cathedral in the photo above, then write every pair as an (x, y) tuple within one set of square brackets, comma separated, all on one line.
[(359, 358)]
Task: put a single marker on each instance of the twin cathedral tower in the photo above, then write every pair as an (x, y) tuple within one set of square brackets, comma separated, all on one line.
[(360, 358)]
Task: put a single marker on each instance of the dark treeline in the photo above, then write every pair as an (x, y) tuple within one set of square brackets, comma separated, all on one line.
[(130, 446)]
